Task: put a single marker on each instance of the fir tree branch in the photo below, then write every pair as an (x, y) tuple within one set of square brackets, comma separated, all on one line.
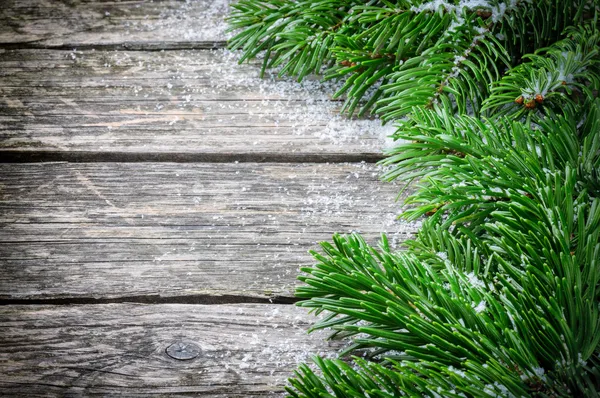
[(561, 76), (498, 295)]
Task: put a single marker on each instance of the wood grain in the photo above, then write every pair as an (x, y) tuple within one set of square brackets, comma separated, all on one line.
[(119, 349), (138, 24), (182, 105), (114, 230), (131, 254)]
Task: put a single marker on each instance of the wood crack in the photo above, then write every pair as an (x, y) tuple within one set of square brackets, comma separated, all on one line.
[(200, 299), (35, 156), (39, 44)]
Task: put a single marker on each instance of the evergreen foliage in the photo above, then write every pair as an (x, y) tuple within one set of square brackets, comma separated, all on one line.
[(499, 130)]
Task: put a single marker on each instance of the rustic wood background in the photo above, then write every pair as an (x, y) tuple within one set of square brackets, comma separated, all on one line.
[(154, 192)]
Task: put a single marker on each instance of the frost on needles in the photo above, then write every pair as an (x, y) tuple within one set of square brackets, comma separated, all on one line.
[(497, 119)]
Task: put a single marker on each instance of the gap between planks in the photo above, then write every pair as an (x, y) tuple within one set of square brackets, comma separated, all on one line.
[(204, 299), (129, 46), (33, 156)]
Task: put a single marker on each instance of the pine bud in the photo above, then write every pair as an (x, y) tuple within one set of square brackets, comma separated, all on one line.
[(431, 212), (530, 104), (519, 100), (484, 14), (539, 98)]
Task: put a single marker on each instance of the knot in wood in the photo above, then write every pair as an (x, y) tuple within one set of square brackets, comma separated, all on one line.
[(183, 350)]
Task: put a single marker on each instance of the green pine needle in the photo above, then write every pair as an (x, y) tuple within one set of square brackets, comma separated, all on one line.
[(498, 129)]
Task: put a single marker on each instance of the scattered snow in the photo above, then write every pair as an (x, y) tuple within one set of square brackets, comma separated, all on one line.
[(456, 371), (190, 82), (497, 11), (185, 20), (474, 281), (539, 372), (498, 390), (480, 307)]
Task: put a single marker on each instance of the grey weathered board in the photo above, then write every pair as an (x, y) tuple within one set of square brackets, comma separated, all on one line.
[(137, 24), (120, 349), (194, 244), (176, 105), (165, 230)]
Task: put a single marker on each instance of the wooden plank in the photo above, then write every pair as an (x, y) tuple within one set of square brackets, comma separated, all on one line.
[(138, 24), (120, 349), (188, 105), (150, 231)]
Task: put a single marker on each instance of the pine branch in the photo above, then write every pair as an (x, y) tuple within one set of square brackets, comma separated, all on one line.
[(294, 35), (382, 48), (501, 330), (561, 76), (512, 211), (498, 295)]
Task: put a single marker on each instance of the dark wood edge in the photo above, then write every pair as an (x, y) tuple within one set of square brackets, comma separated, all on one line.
[(129, 46), (34, 156)]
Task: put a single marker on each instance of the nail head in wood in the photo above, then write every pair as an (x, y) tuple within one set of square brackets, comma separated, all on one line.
[(183, 350)]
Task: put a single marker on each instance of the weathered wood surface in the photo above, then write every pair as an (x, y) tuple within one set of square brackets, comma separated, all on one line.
[(100, 236), (137, 24), (179, 106), (165, 230), (119, 349)]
